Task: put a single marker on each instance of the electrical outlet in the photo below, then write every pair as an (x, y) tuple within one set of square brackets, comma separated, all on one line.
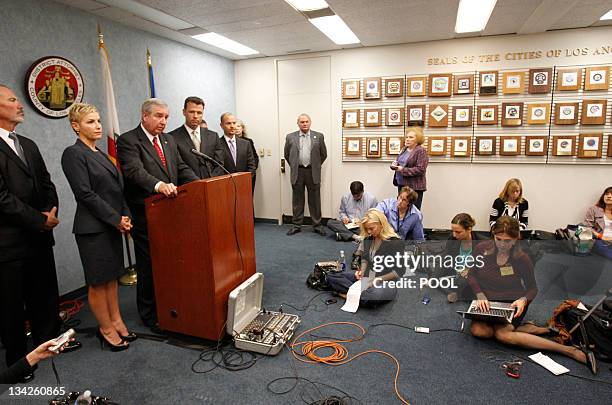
[(261, 152), (268, 152)]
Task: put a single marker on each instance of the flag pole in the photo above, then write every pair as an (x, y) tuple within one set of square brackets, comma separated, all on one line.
[(130, 277)]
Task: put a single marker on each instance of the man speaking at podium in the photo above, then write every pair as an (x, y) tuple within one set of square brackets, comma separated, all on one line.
[(151, 164)]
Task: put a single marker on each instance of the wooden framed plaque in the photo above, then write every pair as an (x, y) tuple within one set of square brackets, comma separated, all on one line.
[(536, 145), (485, 145), (510, 145), (593, 112), (566, 113), (440, 85), (461, 146), (394, 87), (436, 145), (371, 88), (597, 78), (395, 117), (590, 145), (538, 114), (438, 115), (569, 79), (416, 86), (512, 114), (540, 80), (373, 148), (351, 89), (488, 83), (350, 118), (462, 116), (487, 115), (564, 145), (415, 115), (463, 84), (394, 145), (609, 145), (352, 146), (513, 82), (372, 118)]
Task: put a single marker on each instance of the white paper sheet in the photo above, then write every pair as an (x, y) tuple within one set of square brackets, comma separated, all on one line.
[(352, 297), (549, 364)]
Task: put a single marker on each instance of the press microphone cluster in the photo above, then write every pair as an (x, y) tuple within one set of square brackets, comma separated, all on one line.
[(210, 159)]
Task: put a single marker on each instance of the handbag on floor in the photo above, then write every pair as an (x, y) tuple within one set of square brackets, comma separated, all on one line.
[(317, 280)]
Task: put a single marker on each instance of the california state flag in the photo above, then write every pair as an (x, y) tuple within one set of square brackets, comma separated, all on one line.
[(111, 122)]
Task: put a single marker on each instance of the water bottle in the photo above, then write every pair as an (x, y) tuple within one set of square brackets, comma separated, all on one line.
[(342, 261), (84, 398)]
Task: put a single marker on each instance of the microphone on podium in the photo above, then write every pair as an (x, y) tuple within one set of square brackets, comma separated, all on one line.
[(205, 156)]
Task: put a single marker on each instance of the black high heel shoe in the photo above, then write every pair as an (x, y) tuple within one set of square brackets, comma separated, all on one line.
[(112, 347), (130, 337)]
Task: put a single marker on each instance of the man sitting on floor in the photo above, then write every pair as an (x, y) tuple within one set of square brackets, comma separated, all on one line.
[(353, 207)]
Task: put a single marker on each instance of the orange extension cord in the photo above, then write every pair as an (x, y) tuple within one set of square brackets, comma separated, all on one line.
[(340, 354)]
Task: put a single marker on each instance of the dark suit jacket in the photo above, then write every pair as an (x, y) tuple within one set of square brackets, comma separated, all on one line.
[(98, 189), (318, 154), (17, 371), (142, 168), (245, 162), (25, 191), (208, 145)]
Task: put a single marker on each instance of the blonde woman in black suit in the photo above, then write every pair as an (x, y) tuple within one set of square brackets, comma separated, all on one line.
[(101, 217)]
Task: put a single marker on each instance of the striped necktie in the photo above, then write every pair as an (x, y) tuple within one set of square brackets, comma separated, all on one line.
[(18, 147)]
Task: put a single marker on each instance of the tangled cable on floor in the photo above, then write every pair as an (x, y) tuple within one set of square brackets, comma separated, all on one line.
[(308, 351)]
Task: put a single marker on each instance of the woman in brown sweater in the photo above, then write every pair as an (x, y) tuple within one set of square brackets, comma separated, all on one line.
[(507, 276)]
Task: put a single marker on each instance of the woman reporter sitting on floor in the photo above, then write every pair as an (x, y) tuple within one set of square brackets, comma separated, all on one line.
[(460, 246), (511, 203), (379, 240), (507, 276), (101, 217), (599, 218), (403, 215)]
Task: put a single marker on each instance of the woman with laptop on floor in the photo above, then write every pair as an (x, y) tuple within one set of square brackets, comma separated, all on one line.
[(507, 276)]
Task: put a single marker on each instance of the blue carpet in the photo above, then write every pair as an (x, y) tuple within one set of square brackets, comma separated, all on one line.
[(445, 367)]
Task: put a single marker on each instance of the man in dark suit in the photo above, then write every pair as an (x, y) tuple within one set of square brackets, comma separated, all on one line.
[(151, 164), (28, 208), (237, 152), (305, 152), (192, 136)]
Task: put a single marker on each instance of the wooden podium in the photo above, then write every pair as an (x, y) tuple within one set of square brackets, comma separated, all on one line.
[(202, 247)]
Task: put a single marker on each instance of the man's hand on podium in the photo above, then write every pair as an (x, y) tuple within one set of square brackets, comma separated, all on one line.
[(168, 189)]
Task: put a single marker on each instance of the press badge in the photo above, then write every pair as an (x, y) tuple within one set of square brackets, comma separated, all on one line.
[(506, 270)]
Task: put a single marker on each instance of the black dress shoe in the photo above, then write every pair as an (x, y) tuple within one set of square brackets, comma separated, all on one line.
[(72, 346), (156, 329), (27, 378), (320, 231), (294, 230), (130, 337)]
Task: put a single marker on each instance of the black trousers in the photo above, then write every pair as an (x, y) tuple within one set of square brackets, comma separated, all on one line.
[(145, 289), (28, 291), (304, 181)]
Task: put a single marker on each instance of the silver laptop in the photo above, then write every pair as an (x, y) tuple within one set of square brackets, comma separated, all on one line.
[(499, 312)]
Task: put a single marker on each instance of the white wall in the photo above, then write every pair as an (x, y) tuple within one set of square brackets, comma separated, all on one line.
[(558, 194)]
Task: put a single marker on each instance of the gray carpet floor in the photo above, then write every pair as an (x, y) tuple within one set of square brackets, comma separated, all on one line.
[(445, 367)]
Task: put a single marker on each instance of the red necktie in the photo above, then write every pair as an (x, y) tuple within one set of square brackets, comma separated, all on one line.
[(159, 151)]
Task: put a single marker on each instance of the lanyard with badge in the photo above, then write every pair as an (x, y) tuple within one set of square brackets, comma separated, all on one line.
[(506, 270)]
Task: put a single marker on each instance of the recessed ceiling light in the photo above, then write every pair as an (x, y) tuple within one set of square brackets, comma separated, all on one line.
[(308, 5), (225, 43), (607, 16), (335, 29), (473, 15)]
